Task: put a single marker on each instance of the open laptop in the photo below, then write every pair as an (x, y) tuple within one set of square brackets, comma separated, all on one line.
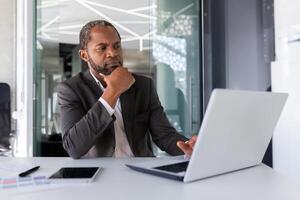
[(235, 132)]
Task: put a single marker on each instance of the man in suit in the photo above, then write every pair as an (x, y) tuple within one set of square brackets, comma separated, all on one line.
[(108, 111)]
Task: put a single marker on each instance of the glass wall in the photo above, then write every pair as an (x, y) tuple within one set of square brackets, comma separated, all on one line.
[(160, 39)]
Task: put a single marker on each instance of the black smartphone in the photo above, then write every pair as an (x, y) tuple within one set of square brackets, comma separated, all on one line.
[(75, 174)]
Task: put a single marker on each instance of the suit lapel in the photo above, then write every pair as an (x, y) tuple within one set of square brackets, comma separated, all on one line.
[(128, 109), (97, 92)]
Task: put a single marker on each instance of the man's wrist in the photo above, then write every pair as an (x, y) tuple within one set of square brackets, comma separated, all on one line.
[(110, 96), (109, 109)]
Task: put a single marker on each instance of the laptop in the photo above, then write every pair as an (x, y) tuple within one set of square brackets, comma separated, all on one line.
[(235, 132)]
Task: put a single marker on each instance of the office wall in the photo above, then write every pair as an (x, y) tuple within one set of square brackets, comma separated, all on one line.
[(238, 43), (286, 78), (246, 65), (7, 44)]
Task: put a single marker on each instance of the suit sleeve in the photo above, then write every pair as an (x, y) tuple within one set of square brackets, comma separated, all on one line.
[(80, 129), (163, 133)]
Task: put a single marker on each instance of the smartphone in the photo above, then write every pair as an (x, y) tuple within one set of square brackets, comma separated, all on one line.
[(75, 174)]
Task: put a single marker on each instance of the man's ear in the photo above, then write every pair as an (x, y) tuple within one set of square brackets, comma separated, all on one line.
[(83, 55)]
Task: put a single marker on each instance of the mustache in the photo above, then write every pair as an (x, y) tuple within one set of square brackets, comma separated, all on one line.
[(113, 65), (105, 68)]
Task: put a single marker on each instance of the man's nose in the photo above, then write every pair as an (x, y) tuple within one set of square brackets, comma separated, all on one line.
[(111, 52)]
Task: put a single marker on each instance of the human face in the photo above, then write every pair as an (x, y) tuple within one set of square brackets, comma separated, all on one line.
[(104, 51)]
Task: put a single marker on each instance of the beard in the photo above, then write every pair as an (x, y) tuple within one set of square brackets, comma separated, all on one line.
[(105, 69)]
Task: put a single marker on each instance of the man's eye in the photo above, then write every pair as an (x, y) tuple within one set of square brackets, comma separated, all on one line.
[(101, 49), (117, 46)]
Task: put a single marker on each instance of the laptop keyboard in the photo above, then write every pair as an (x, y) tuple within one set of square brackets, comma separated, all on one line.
[(175, 168)]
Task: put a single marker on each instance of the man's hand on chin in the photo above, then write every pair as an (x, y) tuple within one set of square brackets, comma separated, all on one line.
[(117, 82), (187, 146)]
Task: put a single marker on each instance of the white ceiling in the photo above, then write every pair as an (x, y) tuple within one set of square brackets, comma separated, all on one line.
[(60, 21)]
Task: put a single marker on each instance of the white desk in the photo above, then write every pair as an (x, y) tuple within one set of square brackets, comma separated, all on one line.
[(121, 183)]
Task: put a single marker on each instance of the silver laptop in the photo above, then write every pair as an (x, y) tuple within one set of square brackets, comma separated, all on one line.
[(235, 132)]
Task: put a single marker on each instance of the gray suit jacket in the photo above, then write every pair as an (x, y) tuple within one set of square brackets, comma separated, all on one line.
[(88, 129)]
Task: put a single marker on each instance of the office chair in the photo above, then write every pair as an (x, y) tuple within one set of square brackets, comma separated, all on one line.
[(6, 134)]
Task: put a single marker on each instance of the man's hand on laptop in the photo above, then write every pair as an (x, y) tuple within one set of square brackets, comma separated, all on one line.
[(187, 146)]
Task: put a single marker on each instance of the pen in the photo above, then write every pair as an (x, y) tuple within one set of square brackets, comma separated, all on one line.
[(27, 172)]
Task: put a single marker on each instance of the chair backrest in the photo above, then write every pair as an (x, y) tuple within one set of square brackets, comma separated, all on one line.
[(5, 111)]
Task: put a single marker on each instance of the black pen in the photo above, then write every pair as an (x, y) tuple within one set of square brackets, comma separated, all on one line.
[(27, 172)]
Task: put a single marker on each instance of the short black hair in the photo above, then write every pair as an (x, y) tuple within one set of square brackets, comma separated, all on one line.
[(84, 35)]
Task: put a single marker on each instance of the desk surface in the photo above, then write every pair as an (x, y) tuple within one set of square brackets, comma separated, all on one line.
[(118, 182)]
